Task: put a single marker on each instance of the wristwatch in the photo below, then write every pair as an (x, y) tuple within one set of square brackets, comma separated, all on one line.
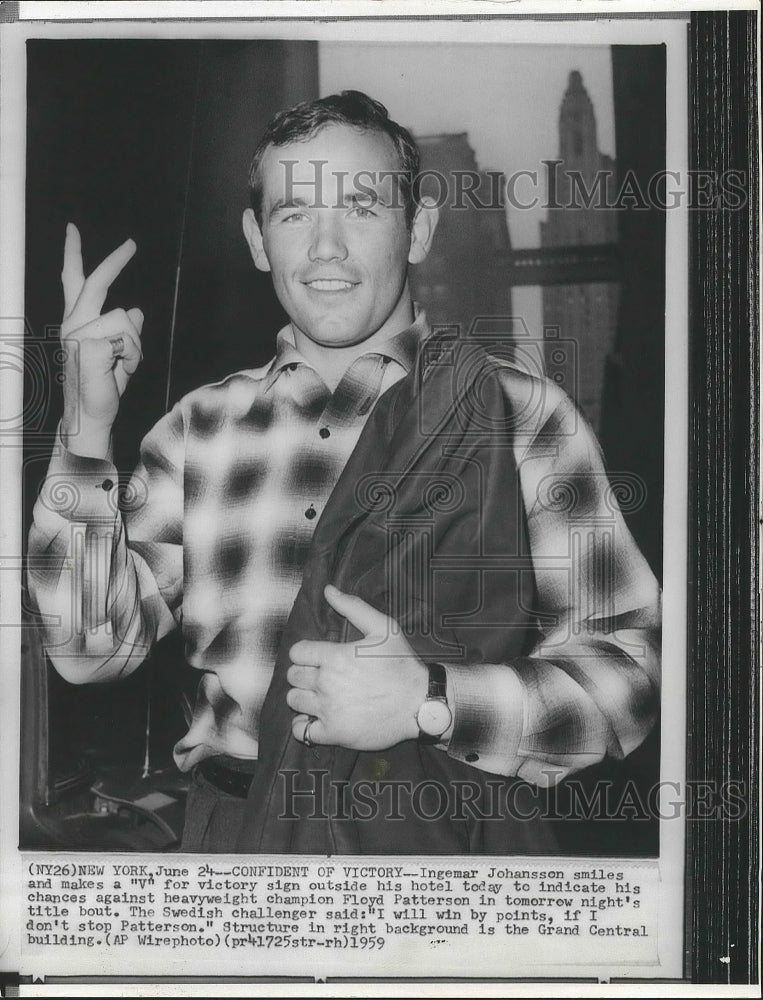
[(434, 717)]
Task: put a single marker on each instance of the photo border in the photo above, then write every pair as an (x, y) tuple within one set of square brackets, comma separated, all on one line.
[(723, 726)]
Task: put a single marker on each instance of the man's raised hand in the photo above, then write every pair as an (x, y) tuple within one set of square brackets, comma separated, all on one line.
[(104, 350)]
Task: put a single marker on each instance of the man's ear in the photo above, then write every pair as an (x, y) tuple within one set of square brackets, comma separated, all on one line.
[(253, 236), (423, 229)]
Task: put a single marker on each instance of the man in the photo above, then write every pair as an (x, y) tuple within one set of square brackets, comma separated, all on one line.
[(232, 483)]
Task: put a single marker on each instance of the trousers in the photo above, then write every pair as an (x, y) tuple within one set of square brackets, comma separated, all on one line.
[(213, 818)]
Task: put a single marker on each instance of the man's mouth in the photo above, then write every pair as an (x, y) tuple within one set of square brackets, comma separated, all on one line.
[(330, 285)]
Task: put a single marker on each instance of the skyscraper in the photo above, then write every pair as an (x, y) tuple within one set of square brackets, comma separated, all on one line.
[(454, 282), (587, 313)]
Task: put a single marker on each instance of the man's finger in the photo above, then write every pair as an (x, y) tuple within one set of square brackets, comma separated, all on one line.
[(136, 317), (119, 329), (72, 276), (97, 284), (302, 701), (316, 732), (357, 612), (97, 357), (302, 677), (312, 653)]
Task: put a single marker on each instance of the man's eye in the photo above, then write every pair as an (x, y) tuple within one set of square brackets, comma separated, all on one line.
[(294, 217), (362, 212)]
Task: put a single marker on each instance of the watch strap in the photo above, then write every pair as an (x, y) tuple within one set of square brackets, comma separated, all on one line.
[(438, 682)]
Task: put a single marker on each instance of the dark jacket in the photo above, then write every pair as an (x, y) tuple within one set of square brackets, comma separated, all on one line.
[(426, 524)]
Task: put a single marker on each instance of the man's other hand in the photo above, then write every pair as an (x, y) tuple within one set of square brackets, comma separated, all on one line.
[(102, 352), (362, 695)]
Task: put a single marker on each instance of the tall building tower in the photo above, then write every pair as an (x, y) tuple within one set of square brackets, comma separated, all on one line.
[(453, 282), (585, 314)]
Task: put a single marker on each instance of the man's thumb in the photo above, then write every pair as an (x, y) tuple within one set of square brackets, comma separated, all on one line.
[(364, 617)]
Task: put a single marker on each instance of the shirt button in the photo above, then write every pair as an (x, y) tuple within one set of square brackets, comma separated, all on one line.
[(107, 485), (471, 757), (310, 512), (324, 432)]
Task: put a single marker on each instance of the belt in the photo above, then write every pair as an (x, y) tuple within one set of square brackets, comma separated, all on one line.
[(226, 779)]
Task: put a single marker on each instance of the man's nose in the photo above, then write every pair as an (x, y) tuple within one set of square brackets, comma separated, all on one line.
[(328, 239)]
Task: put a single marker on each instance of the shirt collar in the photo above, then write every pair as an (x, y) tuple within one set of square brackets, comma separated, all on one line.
[(402, 347), (287, 354)]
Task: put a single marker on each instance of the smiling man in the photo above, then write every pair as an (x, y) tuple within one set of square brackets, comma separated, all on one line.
[(254, 502), (337, 239)]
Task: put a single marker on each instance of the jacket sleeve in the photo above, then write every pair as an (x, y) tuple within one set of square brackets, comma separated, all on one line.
[(105, 560), (590, 686)]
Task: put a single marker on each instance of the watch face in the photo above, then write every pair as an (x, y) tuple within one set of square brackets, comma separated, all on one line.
[(434, 717)]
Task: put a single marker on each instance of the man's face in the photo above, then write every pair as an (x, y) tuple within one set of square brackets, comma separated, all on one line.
[(334, 236)]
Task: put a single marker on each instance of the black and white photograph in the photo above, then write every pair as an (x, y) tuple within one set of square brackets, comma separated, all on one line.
[(355, 479), (452, 573)]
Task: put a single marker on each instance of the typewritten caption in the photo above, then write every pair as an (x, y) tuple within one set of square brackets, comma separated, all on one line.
[(263, 912)]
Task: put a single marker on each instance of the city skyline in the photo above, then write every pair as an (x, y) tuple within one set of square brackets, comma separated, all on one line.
[(531, 80)]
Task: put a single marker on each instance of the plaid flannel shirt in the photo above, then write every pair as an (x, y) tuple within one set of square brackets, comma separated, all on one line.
[(212, 533)]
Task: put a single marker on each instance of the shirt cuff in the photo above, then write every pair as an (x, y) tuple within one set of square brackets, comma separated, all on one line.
[(488, 705), (79, 488)]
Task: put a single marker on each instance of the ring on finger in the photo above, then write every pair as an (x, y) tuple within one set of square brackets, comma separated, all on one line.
[(117, 345), (306, 732)]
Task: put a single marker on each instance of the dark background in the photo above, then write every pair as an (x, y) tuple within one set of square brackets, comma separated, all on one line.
[(152, 139)]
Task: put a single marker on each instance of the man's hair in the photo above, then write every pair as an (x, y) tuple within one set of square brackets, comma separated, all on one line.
[(353, 108)]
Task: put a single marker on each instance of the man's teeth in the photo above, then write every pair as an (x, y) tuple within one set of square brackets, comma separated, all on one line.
[(330, 285)]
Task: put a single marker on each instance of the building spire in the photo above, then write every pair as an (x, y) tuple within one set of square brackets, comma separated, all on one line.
[(577, 124)]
